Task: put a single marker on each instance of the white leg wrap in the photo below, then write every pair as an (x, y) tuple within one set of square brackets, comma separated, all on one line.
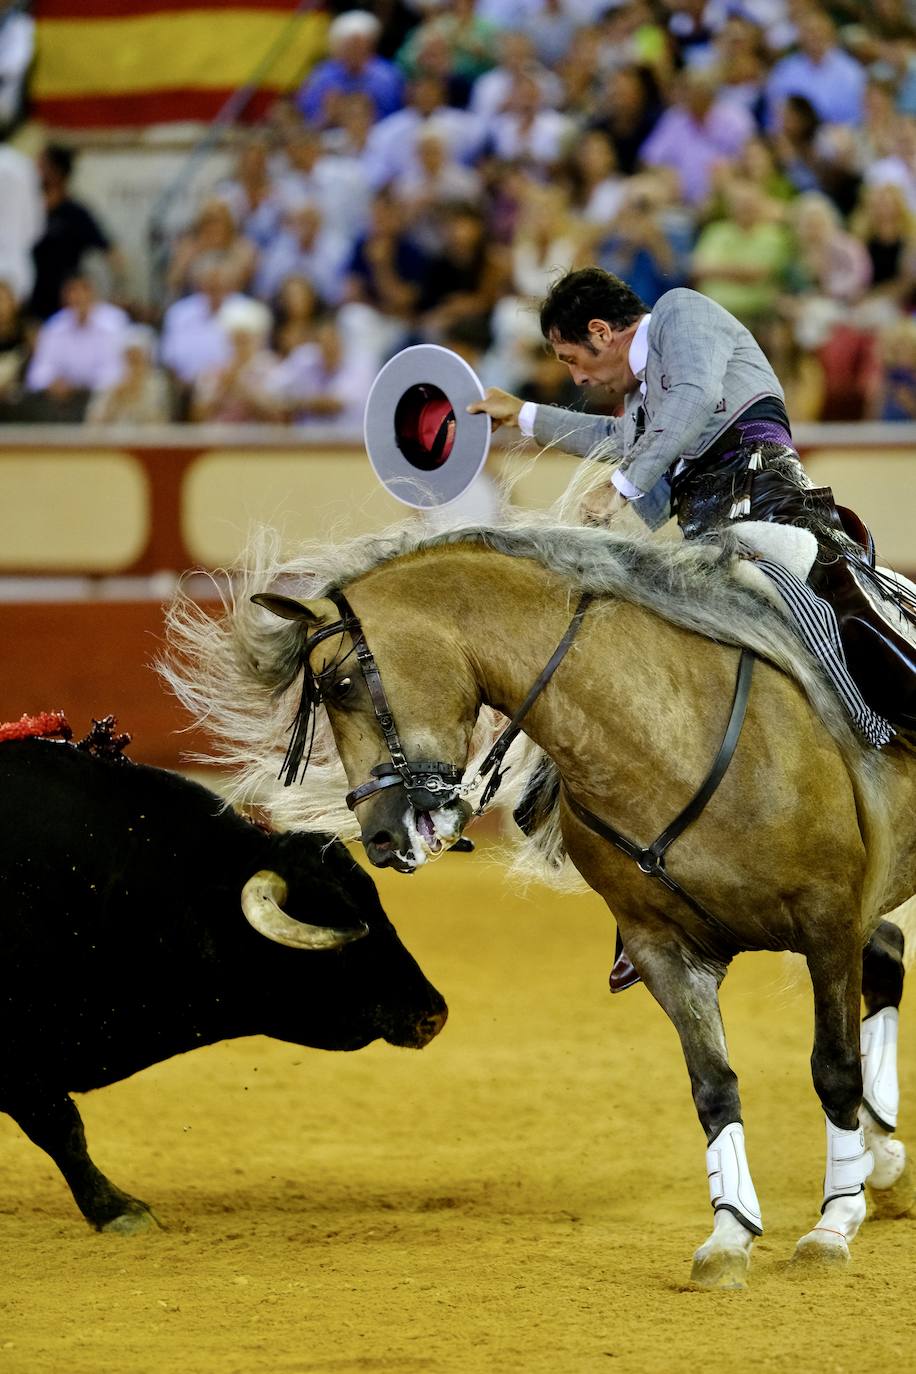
[(880, 1091), (889, 1152), (848, 1162), (730, 1184)]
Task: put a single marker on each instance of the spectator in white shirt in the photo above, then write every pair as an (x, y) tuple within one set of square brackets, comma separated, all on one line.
[(337, 183), (391, 148), (193, 339), (325, 382), (491, 92), (252, 195), (306, 248), (434, 182), (79, 348), (525, 132)]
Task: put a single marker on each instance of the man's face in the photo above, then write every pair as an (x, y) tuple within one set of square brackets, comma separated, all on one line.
[(602, 361)]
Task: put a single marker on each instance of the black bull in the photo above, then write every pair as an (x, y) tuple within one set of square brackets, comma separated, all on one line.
[(122, 943)]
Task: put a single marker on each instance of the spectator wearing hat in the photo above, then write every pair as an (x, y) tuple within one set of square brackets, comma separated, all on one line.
[(78, 350), (71, 232), (240, 389), (353, 67), (141, 395)]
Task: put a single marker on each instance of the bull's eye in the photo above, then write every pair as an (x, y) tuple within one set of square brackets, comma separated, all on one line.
[(341, 688)]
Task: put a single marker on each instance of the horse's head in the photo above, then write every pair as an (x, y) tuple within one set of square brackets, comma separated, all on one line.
[(402, 702)]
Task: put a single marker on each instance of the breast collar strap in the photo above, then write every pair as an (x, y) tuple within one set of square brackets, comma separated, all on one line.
[(651, 859)]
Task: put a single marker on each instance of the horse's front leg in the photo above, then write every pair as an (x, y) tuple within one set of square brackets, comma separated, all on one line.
[(836, 976), (686, 985)]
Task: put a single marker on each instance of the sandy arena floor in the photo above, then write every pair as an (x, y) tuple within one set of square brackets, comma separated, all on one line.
[(523, 1196)]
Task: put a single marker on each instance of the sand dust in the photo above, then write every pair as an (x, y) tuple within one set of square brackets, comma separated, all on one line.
[(524, 1195)]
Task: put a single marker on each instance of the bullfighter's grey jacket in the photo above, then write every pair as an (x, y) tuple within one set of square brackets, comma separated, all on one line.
[(702, 372)]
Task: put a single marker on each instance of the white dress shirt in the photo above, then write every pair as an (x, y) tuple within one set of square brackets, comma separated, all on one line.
[(85, 356)]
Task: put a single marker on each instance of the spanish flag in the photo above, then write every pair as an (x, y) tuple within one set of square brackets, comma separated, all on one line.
[(115, 63)]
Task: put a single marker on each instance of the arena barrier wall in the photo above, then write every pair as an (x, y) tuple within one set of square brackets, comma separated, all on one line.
[(96, 527)]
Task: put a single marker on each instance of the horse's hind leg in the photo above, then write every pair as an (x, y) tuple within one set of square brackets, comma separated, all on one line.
[(836, 975), (687, 987), (890, 1186)]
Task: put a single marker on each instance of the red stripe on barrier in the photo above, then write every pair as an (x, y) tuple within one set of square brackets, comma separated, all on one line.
[(143, 107)]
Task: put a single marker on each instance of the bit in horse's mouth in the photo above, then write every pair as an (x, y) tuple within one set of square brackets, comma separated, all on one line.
[(427, 830)]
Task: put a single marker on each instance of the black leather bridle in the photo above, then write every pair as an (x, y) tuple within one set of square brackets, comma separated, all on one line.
[(435, 784), (429, 783)]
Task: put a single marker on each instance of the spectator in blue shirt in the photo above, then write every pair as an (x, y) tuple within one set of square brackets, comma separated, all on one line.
[(833, 81), (353, 67)]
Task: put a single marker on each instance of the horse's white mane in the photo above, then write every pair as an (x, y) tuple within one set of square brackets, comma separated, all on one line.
[(238, 672)]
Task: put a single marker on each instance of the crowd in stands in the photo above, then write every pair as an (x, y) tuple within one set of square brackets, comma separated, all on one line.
[(437, 171)]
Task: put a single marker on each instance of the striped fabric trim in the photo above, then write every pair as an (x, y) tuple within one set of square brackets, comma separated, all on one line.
[(820, 632)]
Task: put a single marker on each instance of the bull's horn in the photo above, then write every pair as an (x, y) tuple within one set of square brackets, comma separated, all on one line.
[(262, 902)]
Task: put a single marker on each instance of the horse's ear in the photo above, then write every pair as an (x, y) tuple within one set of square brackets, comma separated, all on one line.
[(322, 611)]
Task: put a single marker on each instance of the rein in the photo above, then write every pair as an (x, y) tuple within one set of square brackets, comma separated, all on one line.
[(498, 751)]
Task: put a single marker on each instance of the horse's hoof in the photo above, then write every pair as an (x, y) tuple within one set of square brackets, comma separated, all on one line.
[(720, 1268), (821, 1249), (888, 1204), (132, 1223)]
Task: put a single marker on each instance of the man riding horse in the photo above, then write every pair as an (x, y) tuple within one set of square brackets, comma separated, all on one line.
[(704, 435)]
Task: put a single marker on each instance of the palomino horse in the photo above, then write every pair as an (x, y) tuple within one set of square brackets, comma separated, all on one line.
[(808, 841)]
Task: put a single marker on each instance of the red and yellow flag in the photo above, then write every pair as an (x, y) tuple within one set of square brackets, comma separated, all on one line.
[(110, 63)]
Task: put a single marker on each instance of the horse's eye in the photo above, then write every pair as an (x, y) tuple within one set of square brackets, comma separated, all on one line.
[(341, 688)]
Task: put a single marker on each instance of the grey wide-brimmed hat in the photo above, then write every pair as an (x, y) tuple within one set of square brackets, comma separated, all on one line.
[(424, 447)]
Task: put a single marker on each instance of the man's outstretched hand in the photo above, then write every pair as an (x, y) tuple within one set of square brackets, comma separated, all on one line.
[(502, 408)]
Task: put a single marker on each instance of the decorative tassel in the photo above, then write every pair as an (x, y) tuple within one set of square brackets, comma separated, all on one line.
[(293, 768), (741, 507)]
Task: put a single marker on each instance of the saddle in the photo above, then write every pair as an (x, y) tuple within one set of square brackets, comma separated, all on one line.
[(880, 659)]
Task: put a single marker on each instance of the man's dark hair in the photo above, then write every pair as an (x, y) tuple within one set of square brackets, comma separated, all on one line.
[(588, 294)]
